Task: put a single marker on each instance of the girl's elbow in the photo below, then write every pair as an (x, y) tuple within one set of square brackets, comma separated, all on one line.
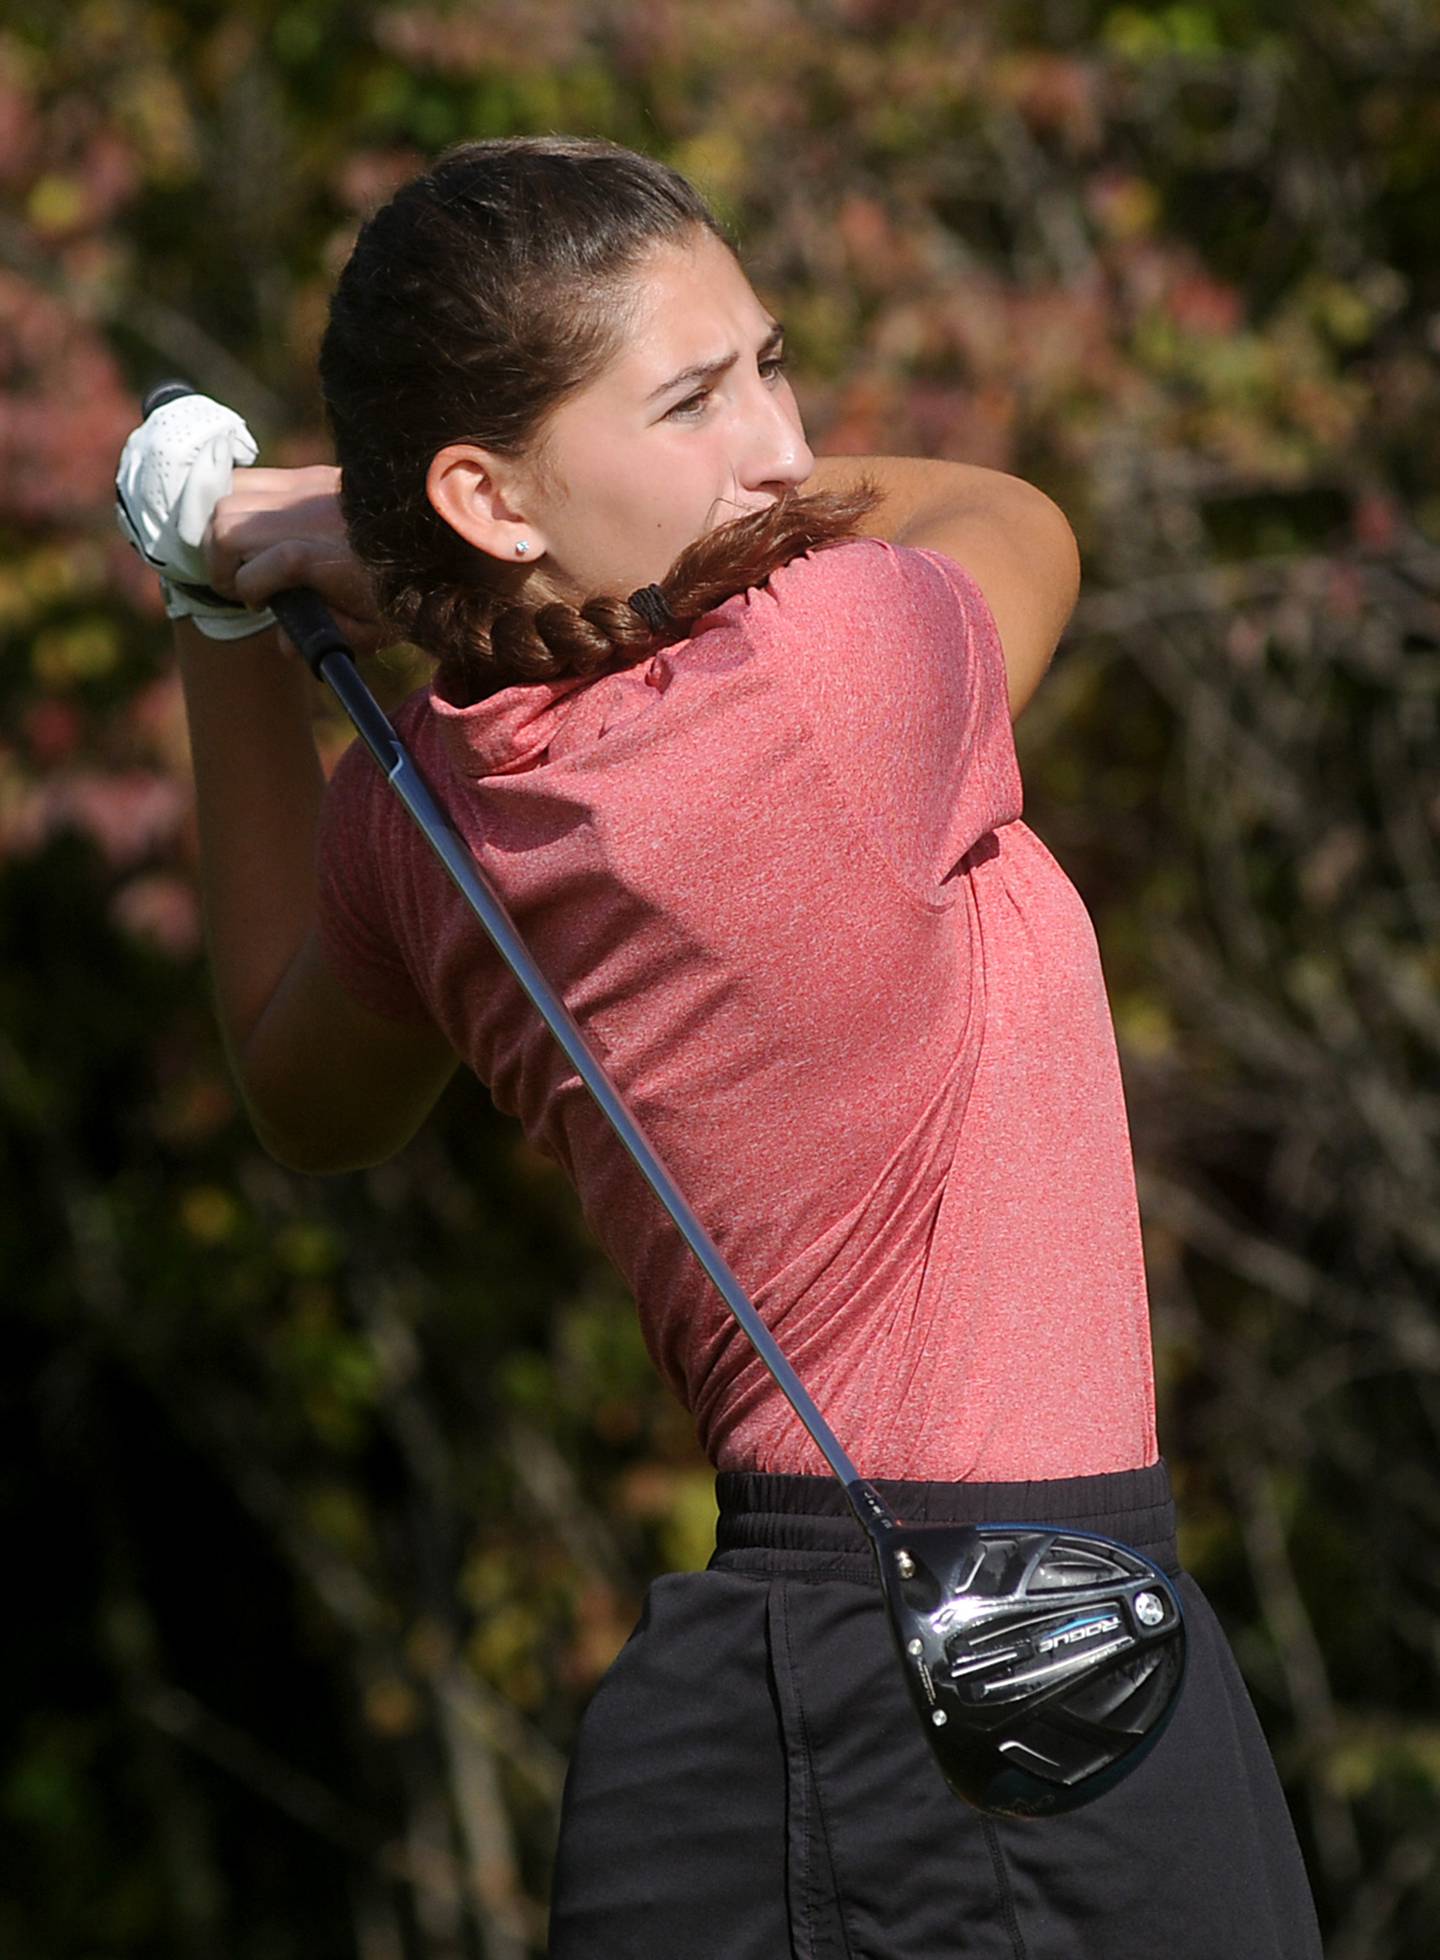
[(322, 1150), (311, 1160)]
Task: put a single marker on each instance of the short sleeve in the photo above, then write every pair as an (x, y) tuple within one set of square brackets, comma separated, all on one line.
[(906, 685), (357, 832)]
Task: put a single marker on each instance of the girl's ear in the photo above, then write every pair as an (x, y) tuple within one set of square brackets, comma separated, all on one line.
[(464, 488)]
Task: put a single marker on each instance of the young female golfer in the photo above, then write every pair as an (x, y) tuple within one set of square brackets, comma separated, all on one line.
[(730, 728)]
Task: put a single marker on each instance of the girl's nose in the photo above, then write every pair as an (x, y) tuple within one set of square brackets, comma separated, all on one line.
[(777, 455)]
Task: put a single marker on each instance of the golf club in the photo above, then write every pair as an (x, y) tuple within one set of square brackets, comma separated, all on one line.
[(1043, 1661)]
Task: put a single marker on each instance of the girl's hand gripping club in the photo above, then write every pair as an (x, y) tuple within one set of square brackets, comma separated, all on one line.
[(173, 471)]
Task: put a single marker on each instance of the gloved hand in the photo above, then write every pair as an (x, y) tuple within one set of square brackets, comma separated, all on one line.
[(174, 469)]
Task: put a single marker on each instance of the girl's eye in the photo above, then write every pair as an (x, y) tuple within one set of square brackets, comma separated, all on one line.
[(776, 364), (689, 407)]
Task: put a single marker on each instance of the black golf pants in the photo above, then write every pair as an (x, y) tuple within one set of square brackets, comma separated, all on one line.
[(751, 1782)]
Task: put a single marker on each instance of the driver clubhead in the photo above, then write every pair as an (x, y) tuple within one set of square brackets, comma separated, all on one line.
[(1044, 1663)]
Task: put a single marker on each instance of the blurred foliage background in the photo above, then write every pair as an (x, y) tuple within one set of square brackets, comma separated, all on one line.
[(326, 1502)]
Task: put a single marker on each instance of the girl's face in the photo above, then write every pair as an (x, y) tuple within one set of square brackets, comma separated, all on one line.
[(654, 453)]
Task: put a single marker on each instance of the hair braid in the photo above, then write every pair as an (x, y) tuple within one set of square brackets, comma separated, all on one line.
[(553, 640), (744, 554)]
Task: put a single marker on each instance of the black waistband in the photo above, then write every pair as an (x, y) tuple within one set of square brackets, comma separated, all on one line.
[(802, 1527)]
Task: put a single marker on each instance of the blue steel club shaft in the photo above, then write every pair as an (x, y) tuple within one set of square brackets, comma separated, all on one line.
[(326, 652)]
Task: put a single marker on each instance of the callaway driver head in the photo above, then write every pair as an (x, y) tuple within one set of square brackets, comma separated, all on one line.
[(1044, 1663)]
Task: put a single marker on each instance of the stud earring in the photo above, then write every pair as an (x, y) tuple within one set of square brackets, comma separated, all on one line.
[(522, 547)]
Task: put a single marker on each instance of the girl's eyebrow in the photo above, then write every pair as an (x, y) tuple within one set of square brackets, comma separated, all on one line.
[(711, 370)]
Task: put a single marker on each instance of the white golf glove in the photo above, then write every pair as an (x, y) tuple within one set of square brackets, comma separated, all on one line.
[(174, 469)]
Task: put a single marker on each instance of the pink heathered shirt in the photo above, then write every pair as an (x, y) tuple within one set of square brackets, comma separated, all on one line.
[(778, 875)]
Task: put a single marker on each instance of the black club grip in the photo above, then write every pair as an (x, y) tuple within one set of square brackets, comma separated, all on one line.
[(306, 619), (162, 392)]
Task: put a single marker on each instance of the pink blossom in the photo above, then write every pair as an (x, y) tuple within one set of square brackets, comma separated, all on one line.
[(161, 909), (127, 814), (53, 730)]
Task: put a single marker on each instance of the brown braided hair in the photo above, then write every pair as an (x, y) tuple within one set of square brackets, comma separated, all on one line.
[(482, 296)]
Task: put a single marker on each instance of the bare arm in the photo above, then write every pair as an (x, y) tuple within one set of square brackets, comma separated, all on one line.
[(328, 1085), (1013, 540)]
